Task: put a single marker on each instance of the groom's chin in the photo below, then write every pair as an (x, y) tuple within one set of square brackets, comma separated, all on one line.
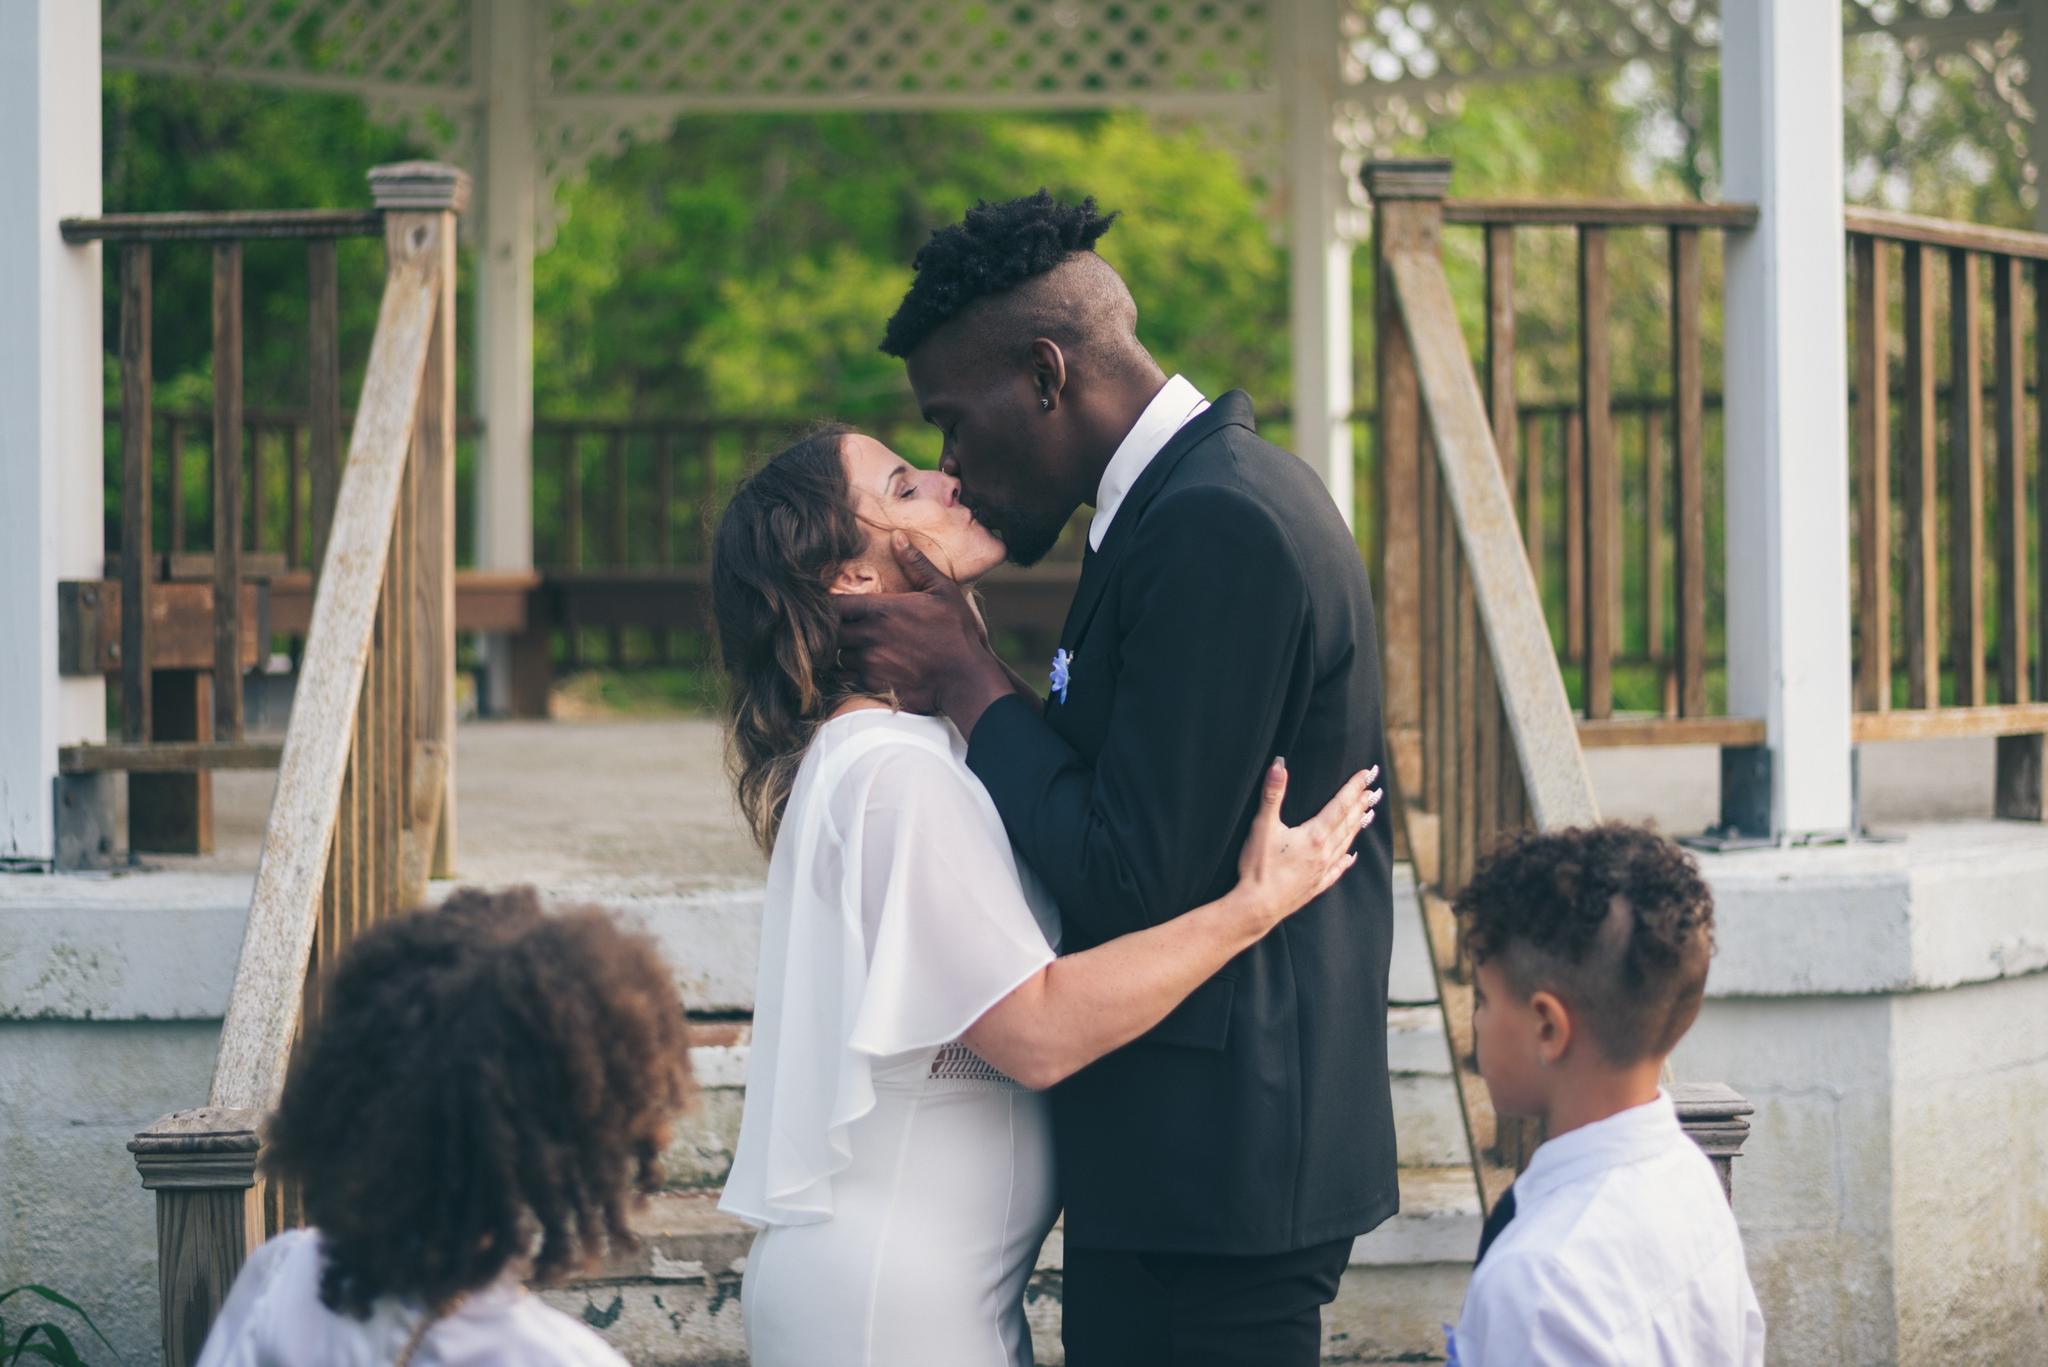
[(1025, 546)]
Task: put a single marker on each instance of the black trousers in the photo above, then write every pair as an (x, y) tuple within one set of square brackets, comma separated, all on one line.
[(1198, 1310)]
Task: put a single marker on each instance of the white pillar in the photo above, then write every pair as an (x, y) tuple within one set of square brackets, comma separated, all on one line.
[(504, 326), (1319, 260), (50, 375), (1787, 424)]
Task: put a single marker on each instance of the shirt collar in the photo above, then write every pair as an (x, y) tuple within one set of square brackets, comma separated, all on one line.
[(1624, 1137), (1170, 410)]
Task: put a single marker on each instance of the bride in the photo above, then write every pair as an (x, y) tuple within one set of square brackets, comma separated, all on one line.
[(896, 1151)]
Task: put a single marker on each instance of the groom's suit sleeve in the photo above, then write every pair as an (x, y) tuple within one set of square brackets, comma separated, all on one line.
[(1214, 624)]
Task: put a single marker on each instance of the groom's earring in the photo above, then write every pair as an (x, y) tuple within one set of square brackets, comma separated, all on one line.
[(1046, 404)]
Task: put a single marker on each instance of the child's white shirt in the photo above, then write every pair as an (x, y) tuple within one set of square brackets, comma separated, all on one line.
[(1622, 1249)]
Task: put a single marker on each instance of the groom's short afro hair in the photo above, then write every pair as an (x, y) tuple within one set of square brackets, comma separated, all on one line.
[(995, 248)]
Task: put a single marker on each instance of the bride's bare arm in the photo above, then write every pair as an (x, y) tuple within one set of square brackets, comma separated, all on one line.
[(1082, 1006)]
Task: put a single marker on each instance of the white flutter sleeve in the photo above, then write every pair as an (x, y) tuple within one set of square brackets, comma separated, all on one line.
[(895, 920)]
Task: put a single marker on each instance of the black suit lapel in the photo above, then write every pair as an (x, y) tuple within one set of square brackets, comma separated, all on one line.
[(1234, 408)]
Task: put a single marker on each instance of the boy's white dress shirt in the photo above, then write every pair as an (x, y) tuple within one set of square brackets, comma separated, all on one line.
[(1622, 1249)]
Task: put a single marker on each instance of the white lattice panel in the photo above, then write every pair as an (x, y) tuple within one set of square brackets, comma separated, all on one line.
[(418, 44), (905, 52), (1419, 44)]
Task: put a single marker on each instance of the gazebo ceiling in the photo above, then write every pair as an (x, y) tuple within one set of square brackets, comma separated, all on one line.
[(604, 71)]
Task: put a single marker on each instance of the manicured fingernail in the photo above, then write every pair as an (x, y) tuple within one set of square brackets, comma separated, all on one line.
[(1279, 764), (1372, 773)]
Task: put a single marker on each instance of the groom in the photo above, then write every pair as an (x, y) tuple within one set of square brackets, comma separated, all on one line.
[(1215, 1171)]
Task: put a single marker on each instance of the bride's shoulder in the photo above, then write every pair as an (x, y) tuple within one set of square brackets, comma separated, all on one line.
[(883, 754)]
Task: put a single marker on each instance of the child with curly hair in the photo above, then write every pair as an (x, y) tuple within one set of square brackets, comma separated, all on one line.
[(1616, 1243), (480, 1105)]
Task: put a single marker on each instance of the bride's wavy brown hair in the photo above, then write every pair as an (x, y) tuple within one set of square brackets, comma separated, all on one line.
[(786, 533)]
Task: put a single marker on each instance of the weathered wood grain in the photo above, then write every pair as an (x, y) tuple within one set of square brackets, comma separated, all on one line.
[(1917, 497), (2009, 284), (1602, 475), (263, 1006), (1966, 480), (1539, 713), (1873, 479), (138, 563), (227, 489), (1688, 405)]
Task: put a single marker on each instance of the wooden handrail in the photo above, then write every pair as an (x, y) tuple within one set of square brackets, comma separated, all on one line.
[(263, 1008), (1532, 692), (1892, 226), (1601, 213), (363, 812), (232, 226)]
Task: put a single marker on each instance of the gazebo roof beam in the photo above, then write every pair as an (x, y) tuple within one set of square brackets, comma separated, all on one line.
[(294, 78)]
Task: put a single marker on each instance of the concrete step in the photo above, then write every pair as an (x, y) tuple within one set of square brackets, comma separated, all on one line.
[(674, 1301)]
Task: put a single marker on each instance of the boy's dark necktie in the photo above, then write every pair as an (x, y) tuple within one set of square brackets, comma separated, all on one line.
[(1503, 1211)]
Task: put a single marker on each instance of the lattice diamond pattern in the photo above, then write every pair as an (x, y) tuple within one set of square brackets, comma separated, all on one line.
[(1422, 43), (803, 50), (418, 43)]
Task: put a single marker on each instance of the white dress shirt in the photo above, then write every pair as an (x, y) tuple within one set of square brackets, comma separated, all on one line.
[(1622, 1249), (1172, 408), (274, 1317)]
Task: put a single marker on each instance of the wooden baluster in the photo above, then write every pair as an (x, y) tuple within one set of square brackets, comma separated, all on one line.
[(664, 523), (427, 534), (615, 472), (1466, 713), (2041, 475), (1444, 684), (1966, 480), (664, 499), (1655, 519), (1688, 424), (1428, 786), (1873, 480), (227, 491), (1603, 476), (254, 433), (1500, 345), (294, 488), (1486, 757), (138, 567), (323, 395), (174, 490), (572, 535), (1574, 534), (366, 831), (1401, 511), (572, 498), (1532, 496), (1917, 494), (2009, 284), (707, 492)]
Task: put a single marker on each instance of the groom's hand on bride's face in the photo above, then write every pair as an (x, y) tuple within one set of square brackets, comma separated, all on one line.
[(928, 645)]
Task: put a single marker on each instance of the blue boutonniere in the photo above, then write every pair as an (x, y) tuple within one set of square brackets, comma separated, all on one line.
[(1062, 673)]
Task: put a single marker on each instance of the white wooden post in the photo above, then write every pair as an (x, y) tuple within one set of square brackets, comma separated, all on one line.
[(504, 331), (1319, 266), (1787, 424), (51, 430)]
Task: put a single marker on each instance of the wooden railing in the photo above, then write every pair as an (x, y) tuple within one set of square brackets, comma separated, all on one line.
[(1594, 538), (181, 688), (1940, 440), (364, 805), (1481, 731)]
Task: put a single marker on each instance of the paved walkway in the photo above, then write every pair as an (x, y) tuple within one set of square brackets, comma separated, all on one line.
[(631, 808)]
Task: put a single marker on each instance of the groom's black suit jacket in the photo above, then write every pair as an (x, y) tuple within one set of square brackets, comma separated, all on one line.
[(1225, 620)]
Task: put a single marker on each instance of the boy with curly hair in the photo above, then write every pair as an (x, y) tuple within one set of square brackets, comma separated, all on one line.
[(1616, 1243), (481, 1105)]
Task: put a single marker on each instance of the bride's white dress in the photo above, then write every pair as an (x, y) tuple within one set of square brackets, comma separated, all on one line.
[(902, 1186)]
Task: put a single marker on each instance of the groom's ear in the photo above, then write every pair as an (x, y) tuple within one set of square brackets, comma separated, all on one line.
[(1048, 373), (857, 576)]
